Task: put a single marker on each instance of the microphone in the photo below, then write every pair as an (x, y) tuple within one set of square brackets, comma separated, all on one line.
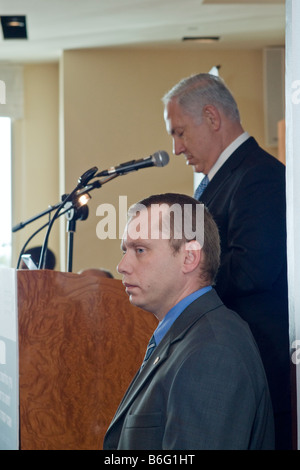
[(160, 158)]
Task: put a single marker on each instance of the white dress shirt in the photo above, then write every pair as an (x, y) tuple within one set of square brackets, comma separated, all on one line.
[(226, 154)]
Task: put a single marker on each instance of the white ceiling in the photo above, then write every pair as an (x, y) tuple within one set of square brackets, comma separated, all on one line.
[(56, 25)]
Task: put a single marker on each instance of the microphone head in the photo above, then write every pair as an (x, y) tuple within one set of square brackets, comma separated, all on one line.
[(160, 158)]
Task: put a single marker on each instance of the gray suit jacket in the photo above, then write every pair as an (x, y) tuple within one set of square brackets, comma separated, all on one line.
[(204, 387)]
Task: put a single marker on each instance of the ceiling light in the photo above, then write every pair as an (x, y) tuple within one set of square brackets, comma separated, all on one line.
[(14, 27), (15, 23), (202, 39)]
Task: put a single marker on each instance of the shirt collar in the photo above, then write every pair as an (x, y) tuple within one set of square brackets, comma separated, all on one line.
[(226, 154), (166, 323)]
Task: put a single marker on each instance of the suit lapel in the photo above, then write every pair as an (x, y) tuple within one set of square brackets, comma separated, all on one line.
[(225, 172), (184, 322), (159, 355)]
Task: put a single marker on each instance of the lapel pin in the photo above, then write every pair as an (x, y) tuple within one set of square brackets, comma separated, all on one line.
[(156, 360)]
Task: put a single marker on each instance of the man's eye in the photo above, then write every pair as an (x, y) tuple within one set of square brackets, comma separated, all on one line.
[(180, 134), (177, 133)]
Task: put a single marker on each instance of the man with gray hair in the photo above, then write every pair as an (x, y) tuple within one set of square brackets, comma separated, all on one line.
[(244, 189)]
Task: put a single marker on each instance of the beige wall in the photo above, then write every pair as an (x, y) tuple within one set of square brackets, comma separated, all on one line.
[(35, 155), (111, 112)]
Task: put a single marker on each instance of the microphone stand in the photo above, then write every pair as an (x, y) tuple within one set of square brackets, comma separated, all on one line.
[(80, 189), (33, 235), (32, 219), (73, 213), (80, 213)]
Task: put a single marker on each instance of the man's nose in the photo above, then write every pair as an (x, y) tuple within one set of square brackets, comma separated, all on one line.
[(123, 266), (178, 146)]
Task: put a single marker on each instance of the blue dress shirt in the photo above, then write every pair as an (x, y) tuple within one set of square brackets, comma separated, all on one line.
[(166, 323)]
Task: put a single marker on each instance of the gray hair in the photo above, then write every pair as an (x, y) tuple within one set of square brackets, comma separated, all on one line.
[(194, 92)]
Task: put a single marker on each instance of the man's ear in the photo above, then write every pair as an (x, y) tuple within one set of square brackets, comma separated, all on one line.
[(212, 116), (192, 256)]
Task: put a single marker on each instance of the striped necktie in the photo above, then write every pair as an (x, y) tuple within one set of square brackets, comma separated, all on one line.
[(204, 182), (150, 348)]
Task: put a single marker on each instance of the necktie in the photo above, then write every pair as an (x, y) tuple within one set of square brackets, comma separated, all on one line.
[(204, 182), (150, 348)]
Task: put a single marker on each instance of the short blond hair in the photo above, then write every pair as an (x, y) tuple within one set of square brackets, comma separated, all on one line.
[(211, 239)]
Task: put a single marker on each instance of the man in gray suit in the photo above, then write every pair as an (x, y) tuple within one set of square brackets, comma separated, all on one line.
[(204, 385)]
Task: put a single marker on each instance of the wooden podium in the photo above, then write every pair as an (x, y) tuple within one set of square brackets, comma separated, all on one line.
[(80, 343)]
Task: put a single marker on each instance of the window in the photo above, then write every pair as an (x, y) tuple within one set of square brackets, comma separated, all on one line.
[(5, 172)]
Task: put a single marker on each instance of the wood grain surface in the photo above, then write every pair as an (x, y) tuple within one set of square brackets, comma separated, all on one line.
[(80, 343)]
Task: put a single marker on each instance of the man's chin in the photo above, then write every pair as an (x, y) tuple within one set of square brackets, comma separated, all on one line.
[(138, 303), (133, 300), (196, 169)]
